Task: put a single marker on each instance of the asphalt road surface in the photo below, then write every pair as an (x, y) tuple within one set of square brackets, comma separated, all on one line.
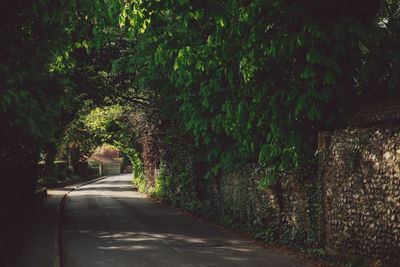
[(107, 223)]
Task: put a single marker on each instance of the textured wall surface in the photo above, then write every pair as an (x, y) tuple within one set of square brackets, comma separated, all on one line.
[(362, 193), (351, 206), (348, 205), (289, 211)]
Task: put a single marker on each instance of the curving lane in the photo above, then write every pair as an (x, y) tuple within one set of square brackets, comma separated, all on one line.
[(108, 223)]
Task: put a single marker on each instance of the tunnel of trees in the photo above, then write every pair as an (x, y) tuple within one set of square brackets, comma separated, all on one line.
[(193, 86)]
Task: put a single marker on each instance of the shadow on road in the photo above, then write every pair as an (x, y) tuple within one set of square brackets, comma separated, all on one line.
[(109, 224)]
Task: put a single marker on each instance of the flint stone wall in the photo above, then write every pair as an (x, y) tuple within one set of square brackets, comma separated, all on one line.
[(361, 177), (288, 211)]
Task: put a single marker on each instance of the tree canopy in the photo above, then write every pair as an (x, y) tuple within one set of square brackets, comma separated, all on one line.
[(254, 81), (248, 81)]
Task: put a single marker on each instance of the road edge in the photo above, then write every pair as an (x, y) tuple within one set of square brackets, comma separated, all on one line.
[(58, 241)]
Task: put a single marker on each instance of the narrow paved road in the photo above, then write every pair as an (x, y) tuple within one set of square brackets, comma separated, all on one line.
[(107, 223)]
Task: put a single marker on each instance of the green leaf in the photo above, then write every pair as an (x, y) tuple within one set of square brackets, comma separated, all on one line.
[(329, 79), (313, 56), (266, 180), (301, 103), (176, 65), (313, 113), (183, 2), (308, 72), (264, 153), (121, 21), (221, 22), (275, 150)]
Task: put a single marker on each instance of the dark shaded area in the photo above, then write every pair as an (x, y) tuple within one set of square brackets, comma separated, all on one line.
[(17, 199), (363, 10), (20, 208)]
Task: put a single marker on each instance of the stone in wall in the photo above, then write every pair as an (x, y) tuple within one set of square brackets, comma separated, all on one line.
[(283, 212), (362, 194)]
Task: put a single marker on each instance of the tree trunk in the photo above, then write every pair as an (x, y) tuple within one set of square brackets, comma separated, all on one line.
[(50, 150), (73, 158)]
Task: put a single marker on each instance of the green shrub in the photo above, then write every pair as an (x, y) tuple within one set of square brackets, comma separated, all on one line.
[(47, 180)]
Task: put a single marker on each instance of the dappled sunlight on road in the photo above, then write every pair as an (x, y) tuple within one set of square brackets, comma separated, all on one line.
[(154, 243), (115, 191), (57, 191), (108, 223), (117, 187)]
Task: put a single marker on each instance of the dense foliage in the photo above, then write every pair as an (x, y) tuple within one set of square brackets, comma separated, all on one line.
[(251, 81), (255, 81), (190, 89)]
